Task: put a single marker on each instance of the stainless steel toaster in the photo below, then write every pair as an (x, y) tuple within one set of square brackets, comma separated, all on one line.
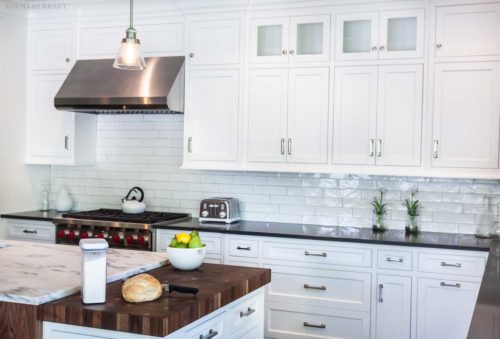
[(225, 210)]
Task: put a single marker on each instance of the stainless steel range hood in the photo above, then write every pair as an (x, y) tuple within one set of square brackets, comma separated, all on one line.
[(94, 86)]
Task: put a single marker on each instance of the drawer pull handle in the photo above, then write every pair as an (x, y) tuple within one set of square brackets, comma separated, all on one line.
[(249, 312), (322, 288), (389, 259), (30, 231), (306, 324), (445, 264), (248, 248), (307, 253), (443, 284), (211, 334), (380, 289)]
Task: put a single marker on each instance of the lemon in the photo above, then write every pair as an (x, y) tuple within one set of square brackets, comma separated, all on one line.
[(183, 238)]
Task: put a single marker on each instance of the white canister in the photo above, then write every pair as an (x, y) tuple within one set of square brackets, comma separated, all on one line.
[(94, 270)]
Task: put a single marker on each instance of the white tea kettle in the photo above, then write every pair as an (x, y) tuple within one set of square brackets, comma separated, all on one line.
[(133, 205)]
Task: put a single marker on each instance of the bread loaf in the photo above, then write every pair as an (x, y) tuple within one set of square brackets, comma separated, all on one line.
[(141, 288)]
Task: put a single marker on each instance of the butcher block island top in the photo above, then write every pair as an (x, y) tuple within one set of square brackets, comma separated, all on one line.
[(218, 285)]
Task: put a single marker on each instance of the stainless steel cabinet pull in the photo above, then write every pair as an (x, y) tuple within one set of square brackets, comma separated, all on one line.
[(372, 142), (30, 231), (306, 324), (380, 288), (190, 144), (66, 142), (191, 55), (379, 147), (443, 284), (381, 48), (289, 146), (435, 151), (292, 51), (322, 288), (243, 248), (439, 45), (282, 146), (249, 312), (211, 334), (389, 259), (445, 264), (315, 254), (68, 59), (374, 48), (284, 52)]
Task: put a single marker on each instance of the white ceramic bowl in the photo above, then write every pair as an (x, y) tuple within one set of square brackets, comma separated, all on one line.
[(186, 259)]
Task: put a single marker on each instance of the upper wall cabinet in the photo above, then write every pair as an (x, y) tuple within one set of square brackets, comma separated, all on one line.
[(156, 40), (466, 115), (290, 39), (380, 35), (51, 49), (214, 42), (469, 30)]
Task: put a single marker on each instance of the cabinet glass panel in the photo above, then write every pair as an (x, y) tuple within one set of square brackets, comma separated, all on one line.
[(402, 34), (357, 36), (310, 38), (269, 39)]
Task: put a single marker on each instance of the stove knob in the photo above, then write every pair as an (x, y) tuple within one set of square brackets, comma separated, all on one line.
[(204, 213), (222, 214)]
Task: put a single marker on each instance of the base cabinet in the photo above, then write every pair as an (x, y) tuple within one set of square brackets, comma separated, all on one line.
[(27, 230)]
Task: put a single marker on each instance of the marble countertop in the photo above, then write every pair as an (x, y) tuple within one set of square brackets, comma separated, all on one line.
[(35, 273)]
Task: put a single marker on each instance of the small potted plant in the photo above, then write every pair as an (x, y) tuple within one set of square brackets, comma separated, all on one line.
[(413, 207), (379, 209)]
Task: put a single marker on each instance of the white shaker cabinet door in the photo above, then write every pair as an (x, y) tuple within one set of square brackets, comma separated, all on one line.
[(269, 40), (355, 114), (468, 30), (267, 115), (393, 307), (51, 49), (214, 42), (466, 115), (212, 114), (356, 36), (310, 38), (444, 308), (50, 132), (399, 115), (308, 116)]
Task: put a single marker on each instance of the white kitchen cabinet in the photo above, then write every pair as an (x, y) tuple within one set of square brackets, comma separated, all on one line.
[(380, 35), (393, 307), (466, 115), (288, 115), (290, 39), (51, 49), (445, 307), (212, 115), (29, 230), (56, 137), (468, 30), (97, 42), (377, 115), (355, 114), (214, 42)]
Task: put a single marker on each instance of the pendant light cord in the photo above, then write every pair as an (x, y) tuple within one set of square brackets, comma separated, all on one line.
[(131, 13)]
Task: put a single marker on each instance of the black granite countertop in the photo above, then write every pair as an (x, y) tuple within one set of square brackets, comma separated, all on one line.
[(33, 215), (337, 233)]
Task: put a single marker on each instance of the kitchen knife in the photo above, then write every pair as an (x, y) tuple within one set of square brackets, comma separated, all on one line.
[(182, 289)]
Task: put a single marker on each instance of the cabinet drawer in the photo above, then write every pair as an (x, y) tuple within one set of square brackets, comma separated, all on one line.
[(212, 242), (294, 321), (246, 314), (244, 248), (317, 253), (213, 328), (29, 230), (394, 260), (333, 289), (451, 264)]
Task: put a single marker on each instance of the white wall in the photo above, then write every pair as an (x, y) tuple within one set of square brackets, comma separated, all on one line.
[(19, 184), (146, 150)]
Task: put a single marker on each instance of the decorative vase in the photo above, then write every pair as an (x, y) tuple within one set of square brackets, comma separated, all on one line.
[(412, 224), (378, 222), (64, 203)]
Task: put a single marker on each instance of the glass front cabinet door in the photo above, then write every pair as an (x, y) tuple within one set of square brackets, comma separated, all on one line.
[(380, 35), (295, 39)]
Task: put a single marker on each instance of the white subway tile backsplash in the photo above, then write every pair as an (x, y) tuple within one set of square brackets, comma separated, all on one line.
[(146, 151)]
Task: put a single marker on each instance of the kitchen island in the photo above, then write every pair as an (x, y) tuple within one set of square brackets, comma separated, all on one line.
[(39, 295)]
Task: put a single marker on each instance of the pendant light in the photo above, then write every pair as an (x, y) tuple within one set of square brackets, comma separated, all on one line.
[(129, 56)]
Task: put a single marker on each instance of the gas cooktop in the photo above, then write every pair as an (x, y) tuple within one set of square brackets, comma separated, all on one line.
[(119, 216)]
